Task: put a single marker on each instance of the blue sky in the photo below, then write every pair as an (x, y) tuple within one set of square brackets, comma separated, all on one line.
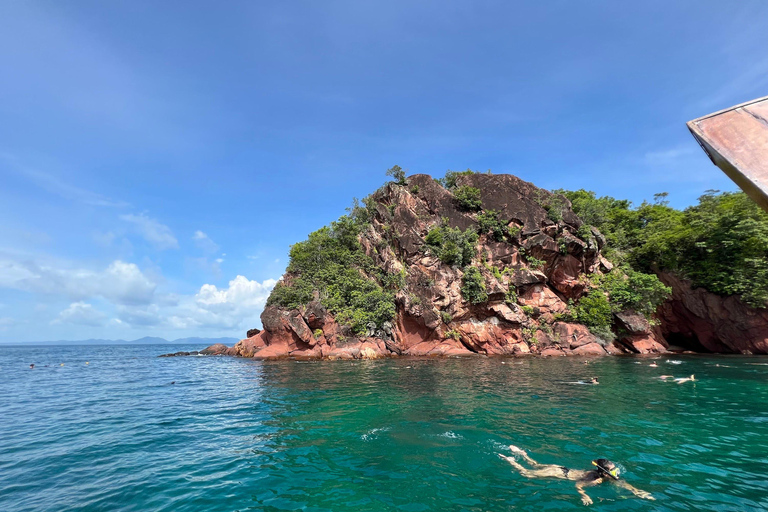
[(157, 159)]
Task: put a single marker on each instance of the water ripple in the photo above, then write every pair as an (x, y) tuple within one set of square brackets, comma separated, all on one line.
[(130, 432)]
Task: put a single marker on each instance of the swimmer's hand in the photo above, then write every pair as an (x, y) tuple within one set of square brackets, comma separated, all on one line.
[(586, 500)]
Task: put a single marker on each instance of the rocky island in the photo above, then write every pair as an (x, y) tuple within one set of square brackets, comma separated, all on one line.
[(490, 264)]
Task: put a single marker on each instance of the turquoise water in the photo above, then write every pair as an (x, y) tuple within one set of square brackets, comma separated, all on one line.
[(408, 434)]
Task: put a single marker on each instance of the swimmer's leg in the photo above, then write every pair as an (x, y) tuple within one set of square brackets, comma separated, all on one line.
[(523, 471), (522, 453), (540, 471)]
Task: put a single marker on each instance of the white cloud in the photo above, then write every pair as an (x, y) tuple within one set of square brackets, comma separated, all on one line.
[(120, 283), (81, 313), (236, 306), (204, 242), (153, 231), (142, 316)]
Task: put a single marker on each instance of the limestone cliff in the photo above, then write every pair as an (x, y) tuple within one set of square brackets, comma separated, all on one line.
[(526, 274)]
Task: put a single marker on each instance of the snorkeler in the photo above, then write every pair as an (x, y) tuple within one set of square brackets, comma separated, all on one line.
[(604, 471)]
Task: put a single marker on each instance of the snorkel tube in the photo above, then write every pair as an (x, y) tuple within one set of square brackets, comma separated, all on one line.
[(606, 467)]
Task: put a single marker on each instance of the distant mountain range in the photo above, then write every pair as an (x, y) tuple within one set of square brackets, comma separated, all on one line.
[(147, 340)]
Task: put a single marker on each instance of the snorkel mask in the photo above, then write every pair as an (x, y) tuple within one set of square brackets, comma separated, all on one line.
[(606, 467)]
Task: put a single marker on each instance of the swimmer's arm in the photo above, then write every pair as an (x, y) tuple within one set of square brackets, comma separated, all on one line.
[(634, 490), (580, 485)]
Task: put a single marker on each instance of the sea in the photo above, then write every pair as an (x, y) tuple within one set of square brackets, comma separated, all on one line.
[(116, 428)]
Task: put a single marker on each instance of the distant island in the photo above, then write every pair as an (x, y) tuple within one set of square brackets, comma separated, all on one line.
[(147, 340), (491, 264)]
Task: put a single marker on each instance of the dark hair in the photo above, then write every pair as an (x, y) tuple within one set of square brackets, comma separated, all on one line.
[(607, 468)]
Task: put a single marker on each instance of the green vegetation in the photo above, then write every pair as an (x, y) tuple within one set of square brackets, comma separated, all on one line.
[(468, 198), (473, 286), (535, 263), (452, 245), (398, 174), (453, 333), (449, 180), (528, 310), (490, 222), (446, 317), (721, 244), (629, 289), (529, 334), (554, 207), (332, 263), (593, 310)]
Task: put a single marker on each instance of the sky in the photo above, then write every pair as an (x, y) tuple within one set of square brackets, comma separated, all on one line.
[(158, 159)]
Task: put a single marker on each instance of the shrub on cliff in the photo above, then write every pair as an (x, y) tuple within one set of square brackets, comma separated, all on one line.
[(332, 263), (594, 311), (473, 286), (490, 222), (398, 174), (721, 244), (452, 245), (468, 198), (629, 289), (449, 180)]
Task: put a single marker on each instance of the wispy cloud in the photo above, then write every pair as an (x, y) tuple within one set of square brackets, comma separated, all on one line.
[(120, 283), (204, 242), (57, 186), (157, 234), (6, 322), (81, 313)]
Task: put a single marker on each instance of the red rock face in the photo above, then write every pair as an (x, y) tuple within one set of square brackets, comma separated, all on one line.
[(432, 316), (696, 318)]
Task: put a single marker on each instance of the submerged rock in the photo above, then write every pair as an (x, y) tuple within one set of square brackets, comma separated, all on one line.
[(178, 354)]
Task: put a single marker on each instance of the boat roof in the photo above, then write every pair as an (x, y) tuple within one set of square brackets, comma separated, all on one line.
[(736, 140)]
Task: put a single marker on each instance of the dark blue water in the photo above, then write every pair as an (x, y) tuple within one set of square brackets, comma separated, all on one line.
[(407, 434)]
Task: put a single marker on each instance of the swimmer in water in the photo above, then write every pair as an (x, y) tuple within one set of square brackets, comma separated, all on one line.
[(653, 365), (605, 471), (594, 381), (32, 366), (685, 379)]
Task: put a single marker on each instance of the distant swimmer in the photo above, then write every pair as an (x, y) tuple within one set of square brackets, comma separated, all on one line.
[(665, 377), (653, 365), (32, 366), (685, 379), (593, 380), (604, 471)]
